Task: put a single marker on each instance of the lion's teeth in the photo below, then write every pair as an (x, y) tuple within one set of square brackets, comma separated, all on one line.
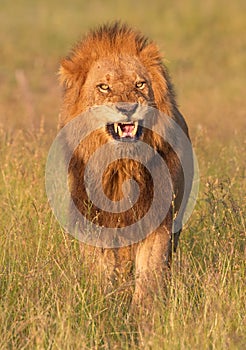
[(116, 128), (135, 128), (120, 131)]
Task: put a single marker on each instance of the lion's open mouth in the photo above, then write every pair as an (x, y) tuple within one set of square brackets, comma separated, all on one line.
[(128, 131)]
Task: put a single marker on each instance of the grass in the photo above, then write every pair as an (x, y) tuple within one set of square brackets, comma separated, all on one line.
[(48, 300)]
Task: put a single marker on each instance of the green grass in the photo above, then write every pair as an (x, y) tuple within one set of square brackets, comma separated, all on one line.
[(48, 300)]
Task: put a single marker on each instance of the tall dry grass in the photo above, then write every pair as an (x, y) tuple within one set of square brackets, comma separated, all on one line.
[(48, 300)]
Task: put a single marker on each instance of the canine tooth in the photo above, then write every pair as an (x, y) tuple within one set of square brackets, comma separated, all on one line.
[(120, 131), (135, 128), (116, 128)]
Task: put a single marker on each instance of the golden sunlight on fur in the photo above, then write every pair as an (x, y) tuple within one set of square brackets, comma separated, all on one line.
[(119, 67)]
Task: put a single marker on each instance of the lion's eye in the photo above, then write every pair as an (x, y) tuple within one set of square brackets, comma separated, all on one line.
[(103, 87), (140, 85)]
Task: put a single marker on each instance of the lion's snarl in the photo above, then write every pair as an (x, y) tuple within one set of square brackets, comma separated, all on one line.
[(122, 70)]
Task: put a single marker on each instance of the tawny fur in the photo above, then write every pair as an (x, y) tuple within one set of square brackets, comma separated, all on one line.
[(118, 56)]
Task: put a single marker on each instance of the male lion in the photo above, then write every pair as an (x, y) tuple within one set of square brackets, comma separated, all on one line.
[(116, 67)]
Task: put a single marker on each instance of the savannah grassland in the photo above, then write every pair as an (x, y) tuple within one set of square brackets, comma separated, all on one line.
[(47, 299)]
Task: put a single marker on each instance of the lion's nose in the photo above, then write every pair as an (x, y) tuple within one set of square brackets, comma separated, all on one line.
[(127, 109)]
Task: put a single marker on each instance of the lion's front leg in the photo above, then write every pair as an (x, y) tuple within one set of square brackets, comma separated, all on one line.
[(111, 267), (100, 263), (152, 267)]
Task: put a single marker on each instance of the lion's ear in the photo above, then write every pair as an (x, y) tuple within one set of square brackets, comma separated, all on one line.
[(67, 73)]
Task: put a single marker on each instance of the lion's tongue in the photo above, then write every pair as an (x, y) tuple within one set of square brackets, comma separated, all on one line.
[(127, 130)]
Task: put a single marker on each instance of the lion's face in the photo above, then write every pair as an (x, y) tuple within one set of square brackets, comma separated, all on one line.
[(123, 86), (121, 71)]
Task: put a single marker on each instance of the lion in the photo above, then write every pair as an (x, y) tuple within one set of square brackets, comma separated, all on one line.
[(119, 68)]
